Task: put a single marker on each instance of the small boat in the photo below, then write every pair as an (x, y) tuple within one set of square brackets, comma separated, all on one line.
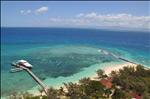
[(16, 70), (24, 63)]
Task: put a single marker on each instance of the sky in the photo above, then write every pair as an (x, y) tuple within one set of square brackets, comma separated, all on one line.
[(98, 14)]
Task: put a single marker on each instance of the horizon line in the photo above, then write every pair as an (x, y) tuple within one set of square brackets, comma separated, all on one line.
[(102, 28)]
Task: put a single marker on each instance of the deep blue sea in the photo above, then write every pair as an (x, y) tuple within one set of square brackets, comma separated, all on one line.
[(63, 52)]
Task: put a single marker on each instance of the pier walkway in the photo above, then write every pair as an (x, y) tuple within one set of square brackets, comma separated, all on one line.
[(19, 67), (123, 59)]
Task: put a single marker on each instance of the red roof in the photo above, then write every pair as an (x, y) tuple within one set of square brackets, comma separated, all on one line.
[(134, 95), (106, 83), (109, 79)]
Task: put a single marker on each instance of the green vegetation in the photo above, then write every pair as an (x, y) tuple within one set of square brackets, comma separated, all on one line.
[(126, 83), (101, 74), (133, 80)]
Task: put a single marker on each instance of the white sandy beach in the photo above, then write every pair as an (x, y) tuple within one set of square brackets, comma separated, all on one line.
[(117, 67), (107, 69), (114, 67)]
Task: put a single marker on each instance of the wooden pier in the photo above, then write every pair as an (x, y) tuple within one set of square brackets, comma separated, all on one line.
[(33, 76), (123, 59), (37, 80)]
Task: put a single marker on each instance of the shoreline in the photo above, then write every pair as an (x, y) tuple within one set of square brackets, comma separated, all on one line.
[(114, 67), (107, 67), (107, 70), (117, 67)]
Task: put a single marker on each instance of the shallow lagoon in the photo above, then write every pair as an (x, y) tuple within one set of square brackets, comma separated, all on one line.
[(65, 54), (53, 62)]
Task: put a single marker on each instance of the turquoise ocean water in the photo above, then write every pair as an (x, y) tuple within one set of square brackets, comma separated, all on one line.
[(65, 54)]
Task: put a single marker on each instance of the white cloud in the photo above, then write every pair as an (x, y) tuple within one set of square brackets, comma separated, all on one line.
[(41, 10), (91, 15), (22, 11), (37, 11), (55, 19), (80, 15), (28, 11), (25, 12), (93, 19)]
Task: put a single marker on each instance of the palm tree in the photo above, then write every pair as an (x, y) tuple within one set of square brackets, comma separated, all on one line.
[(84, 81), (61, 92), (120, 94), (108, 93), (101, 73), (94, 89), (52, 93), (113, 74), (74, 91)]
